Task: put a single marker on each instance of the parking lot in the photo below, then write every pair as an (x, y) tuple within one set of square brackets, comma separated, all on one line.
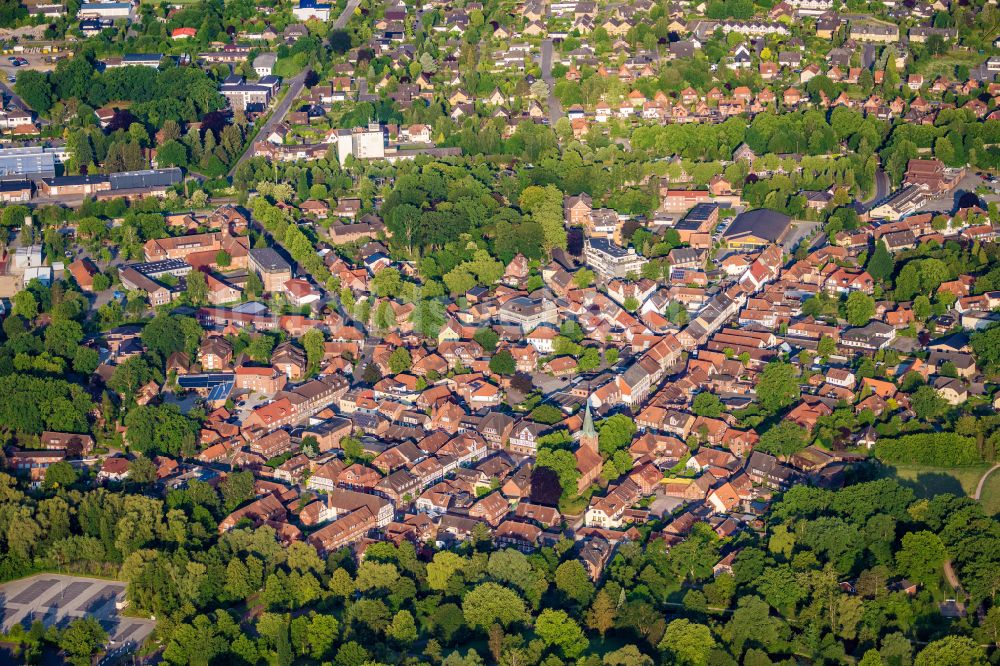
[(56, 599), (42, 62)]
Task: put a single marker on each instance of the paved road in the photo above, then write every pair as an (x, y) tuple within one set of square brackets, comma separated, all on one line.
[(345, 15), (8, 92), (295, 85), (555, 108), (881, 189)]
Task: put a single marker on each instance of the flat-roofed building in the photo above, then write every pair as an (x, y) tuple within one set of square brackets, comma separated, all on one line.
[(74, 186), (32, 162), (15, 191), (612, 261), (133, 280), (699, 220), (528, 312)]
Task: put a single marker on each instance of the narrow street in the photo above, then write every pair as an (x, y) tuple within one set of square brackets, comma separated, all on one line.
[(555, 108)]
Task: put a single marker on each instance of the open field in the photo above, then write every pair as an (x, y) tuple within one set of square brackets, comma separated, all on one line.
[(944, 65), (928, 481), (990, 496)]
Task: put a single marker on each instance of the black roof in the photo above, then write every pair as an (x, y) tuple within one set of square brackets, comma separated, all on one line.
[(14, 185)]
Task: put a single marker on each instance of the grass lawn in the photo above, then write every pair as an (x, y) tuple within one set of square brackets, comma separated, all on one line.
[(944, 65), (990, 497), (927, 481)]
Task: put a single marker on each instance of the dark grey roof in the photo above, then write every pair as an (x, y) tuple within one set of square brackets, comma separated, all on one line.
[(269, 259), (63, 181), (132, 180), (763, 222), (606, 246)]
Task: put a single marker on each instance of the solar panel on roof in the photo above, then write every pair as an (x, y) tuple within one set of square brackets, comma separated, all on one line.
[(204, 381), (220, 391)]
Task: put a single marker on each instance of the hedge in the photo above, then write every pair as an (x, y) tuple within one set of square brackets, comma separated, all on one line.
[(943, 449)]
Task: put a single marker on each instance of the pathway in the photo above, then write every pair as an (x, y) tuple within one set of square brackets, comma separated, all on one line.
[(982, 480)]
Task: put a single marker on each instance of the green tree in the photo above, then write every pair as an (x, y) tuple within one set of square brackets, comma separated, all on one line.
[(927, 404), (25, 305), (489, 604), (314, 342), (921, 557), (60, 475), (602, 613), (403, 630), (321, 635), (688, 642), (400, 360), (487, 339), (63, 338), (197, 288), (558, 629), (441, 569), (545, 205), (166, 334), (778, 386), (707, 404), (951, 651), (82, 639), (260, 348), (160, 428), (502, 363), (880, 264), (583, 278), (615, 433), (783, 439), (860, 308), (142, 471), (237, 488), (573, 581)]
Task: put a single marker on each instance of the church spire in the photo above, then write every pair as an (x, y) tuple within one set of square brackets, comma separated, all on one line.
[(588, 435), (588, 422)]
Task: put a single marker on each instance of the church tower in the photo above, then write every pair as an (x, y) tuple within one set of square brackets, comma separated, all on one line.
[(588, 436)]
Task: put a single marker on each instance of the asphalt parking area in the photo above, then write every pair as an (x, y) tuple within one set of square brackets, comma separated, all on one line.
[(56, 599)]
